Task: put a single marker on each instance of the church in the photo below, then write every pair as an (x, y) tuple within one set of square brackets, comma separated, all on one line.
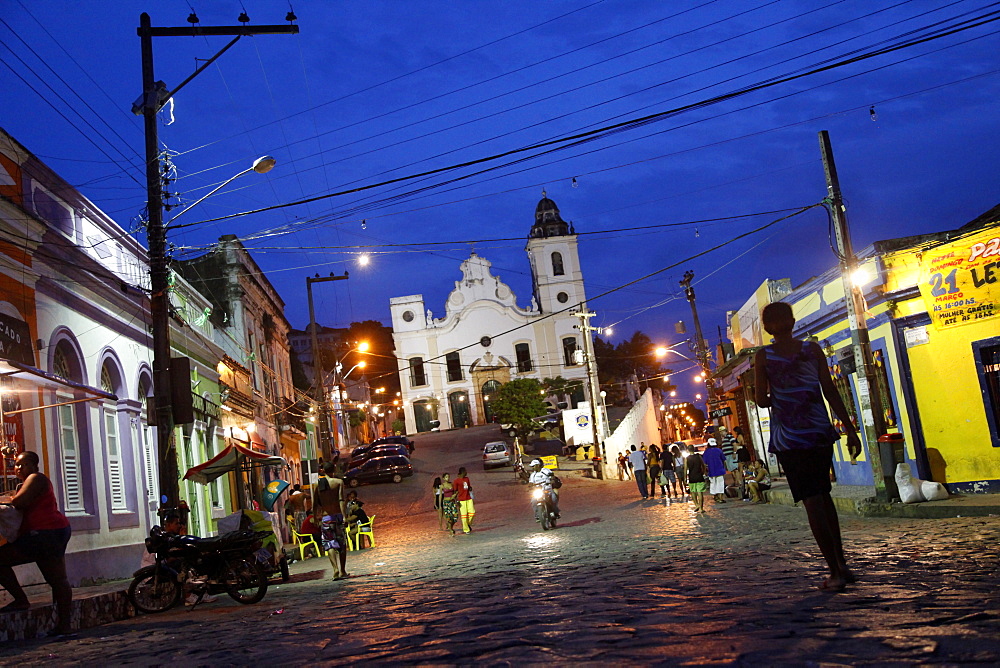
[(450, 366)]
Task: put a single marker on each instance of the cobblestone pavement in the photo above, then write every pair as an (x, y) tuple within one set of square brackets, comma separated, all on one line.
[(619, 580)]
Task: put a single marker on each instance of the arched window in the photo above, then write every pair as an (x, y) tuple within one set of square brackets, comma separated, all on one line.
[(65, 365), (110, 382), (557, 264)]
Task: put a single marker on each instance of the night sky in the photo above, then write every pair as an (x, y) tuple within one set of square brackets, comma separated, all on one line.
[(371, 91)]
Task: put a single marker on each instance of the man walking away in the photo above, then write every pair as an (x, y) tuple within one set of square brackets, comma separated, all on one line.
[(792, 377), (696, 472), (716, 463), (637, 459), (463, 492)]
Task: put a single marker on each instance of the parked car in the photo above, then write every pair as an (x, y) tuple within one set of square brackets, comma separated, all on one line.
[(495, 453), (383, 450), (380, 469), (402, 440)]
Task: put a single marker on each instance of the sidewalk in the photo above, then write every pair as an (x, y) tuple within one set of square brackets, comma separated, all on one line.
[(92, 606), (860, 500)]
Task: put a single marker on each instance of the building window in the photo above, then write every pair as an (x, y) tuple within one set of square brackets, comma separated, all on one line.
[(72, 475), (987, 357), (557, 265), (116, 473), (523, 354), (569, 350), (146, 440), (417, 375), (454, 366)]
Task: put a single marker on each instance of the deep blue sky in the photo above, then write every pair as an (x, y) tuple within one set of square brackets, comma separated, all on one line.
[(362, 95)]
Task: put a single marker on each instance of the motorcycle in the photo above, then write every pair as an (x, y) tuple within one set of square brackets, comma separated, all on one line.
[(222, 564), (545, 513)]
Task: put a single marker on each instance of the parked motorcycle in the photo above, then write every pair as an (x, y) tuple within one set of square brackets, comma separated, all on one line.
[(545, 513), (222, 564)]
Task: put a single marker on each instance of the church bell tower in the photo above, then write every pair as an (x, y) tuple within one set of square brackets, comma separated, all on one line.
[(557, 278)]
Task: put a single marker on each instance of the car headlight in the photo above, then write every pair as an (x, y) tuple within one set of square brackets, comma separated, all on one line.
[(537, 494)]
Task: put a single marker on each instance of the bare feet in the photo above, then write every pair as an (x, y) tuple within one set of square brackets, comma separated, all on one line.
[(833, 584)]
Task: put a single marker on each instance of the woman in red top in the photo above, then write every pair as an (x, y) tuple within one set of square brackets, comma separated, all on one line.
[(42, 540)]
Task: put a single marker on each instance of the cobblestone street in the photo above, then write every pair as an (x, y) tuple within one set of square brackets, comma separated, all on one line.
[(619, 580)]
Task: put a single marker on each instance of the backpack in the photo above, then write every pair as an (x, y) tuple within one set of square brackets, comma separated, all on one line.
[(556, 482)]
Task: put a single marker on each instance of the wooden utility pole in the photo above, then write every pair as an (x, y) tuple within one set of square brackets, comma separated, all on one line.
[(154, 96), (872, 415), (319, 373), (704, 358)]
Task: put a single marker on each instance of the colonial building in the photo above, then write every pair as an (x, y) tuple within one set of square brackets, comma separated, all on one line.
[(449, 366)]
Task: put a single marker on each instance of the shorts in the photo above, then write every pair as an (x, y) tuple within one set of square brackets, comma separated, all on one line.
[(35, 546), (697, 487), (731, 462), (717, 484), (668, 475), (807, 471)]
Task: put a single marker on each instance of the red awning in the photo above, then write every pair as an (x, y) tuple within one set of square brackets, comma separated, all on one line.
[(228, 460)]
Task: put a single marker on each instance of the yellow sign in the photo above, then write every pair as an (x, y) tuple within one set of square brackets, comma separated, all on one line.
[(550, 462), (960, 281)]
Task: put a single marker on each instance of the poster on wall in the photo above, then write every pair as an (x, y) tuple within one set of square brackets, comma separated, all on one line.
[(960, 281)]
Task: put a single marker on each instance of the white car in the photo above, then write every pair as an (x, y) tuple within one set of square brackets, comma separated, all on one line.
[(495, 453)]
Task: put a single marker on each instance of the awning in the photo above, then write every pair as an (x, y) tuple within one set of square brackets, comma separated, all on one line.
[(228, 460), (22, 372)]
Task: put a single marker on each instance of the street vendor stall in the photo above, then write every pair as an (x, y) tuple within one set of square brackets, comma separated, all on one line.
[(238, 458)]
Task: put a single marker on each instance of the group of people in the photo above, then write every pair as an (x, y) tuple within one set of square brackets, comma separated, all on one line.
[(675, 472), (454, 500)]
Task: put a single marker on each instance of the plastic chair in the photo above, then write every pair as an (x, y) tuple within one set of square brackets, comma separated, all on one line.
[(304, 540), (365, 529)]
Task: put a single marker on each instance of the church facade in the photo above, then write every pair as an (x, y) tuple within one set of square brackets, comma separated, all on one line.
[(450, 366)]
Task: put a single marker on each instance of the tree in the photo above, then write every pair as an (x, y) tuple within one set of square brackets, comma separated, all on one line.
[(518, 403), (617, 364), (382, 369), (559, 387)]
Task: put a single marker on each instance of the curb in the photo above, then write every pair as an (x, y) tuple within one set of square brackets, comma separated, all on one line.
[(88, 611), (871, 508)]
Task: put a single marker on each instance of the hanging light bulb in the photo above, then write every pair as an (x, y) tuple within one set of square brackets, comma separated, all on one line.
[(364, 224), (696, 233), (363, 259), (575, 184), (871, 112)]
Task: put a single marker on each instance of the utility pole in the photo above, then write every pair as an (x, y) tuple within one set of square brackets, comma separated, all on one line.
[(154, 96), (872, 416), (593, 387), (704, 358), (319, 376)]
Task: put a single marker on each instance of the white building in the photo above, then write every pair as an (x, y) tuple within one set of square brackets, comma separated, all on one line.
[(449, 366)]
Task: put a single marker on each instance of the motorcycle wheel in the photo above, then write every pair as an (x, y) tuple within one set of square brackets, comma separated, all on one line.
[(245, 581), (153, 591), (543, 516), (552, 520)]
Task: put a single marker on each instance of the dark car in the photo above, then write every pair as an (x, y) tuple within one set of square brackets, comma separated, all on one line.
[(401, 440), (384, 450), (380, 469)]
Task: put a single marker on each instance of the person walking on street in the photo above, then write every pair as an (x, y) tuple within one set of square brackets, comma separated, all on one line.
[(41, 539), (653, 468), (438, 506), (449, 502), (330, 497), (792, 378), (637, 458), (716, 463), (623, 467), (696, 476), (463, 491)]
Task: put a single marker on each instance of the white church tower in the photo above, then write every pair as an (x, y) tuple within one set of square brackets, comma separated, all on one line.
[(557, 279)]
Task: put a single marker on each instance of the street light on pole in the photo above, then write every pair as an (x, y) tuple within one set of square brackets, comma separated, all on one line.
[(261, 165), (154, 96)]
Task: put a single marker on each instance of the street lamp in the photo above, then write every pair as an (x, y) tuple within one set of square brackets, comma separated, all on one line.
[(261, 165)]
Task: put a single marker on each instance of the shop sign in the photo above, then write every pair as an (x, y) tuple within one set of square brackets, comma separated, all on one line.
[(960, 281), (720, 412)]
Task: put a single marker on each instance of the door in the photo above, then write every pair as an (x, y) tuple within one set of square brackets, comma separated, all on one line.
[(458, 402), (490, 388)]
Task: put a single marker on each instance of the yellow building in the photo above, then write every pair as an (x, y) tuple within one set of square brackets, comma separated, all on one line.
[(933, 314)]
